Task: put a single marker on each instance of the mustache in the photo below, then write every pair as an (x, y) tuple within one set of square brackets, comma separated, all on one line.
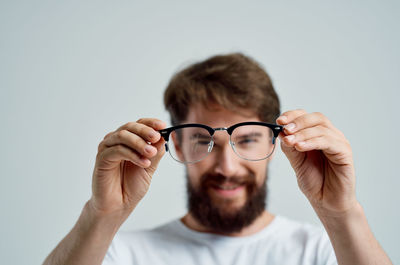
[(217, 179)]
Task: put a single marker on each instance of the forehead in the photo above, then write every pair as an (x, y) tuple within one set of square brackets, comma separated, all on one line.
[(217, 116)]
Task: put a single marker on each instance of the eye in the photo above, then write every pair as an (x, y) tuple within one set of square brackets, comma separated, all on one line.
[(248, 140), (200, 139), (202, 142)]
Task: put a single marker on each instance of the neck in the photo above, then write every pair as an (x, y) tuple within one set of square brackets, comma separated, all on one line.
[(259, 223)]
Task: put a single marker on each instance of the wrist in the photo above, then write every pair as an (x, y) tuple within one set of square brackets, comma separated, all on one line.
[(351, 236), (89, 239), (99, 226), (341, 219), (96, 216)]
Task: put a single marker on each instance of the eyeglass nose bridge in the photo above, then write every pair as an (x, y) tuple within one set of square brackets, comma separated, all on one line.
[(211, 144), (221, 129), (229, 131)]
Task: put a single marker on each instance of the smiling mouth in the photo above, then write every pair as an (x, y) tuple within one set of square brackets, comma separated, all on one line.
[(227, 187), (227, 190)]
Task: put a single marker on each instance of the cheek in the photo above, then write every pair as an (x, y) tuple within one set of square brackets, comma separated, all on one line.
[(194, 174), (195, 171), (260, 169)]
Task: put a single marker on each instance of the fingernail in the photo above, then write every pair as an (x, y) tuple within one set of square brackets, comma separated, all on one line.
[(290, 126), (149, 149), (282, 119), (290, 138), (153, 135), (159, 124)]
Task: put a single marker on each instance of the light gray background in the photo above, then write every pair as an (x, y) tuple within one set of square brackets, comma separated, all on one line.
[(71, 72)]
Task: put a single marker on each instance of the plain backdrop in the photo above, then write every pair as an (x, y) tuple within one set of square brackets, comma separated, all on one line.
[(72, 71)]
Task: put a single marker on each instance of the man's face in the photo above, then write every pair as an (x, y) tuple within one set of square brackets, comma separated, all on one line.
[(226, 193)]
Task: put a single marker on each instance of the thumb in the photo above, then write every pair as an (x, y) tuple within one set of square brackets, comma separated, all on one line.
[(295, 157), (156, 159)]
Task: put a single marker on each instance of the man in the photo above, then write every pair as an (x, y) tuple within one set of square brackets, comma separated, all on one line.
[(231, 107)]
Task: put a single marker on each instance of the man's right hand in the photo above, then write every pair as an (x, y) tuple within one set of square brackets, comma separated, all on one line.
[(121, 177), (126, 161)]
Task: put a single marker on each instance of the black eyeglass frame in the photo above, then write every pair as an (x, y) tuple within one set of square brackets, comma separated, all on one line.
[(276, 129)]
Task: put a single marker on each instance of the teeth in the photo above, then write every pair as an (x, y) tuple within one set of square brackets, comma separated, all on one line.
[(228, 188)]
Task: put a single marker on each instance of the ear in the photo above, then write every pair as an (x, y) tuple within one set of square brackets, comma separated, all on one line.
[(177, 147)]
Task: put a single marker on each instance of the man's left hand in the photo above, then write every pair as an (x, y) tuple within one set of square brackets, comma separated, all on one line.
[(322, 159)]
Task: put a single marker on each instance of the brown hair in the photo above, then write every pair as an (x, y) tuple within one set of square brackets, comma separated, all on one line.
[(233, 81)]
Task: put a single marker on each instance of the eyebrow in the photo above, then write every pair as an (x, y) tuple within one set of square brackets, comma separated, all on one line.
[(253, 134), (199, 135)]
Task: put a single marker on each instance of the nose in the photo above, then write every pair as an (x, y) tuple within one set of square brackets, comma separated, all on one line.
[(227, 162)]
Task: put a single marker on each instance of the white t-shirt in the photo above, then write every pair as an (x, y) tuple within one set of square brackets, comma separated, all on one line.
[(283, 241)]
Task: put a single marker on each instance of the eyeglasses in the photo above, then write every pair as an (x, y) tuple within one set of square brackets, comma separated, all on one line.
[(191, 143)]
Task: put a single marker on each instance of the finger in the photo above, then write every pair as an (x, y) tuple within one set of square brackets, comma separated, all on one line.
[(156, 159), (306, 121), (101, 145), (118, 153), (131, 140), (305, 134), (146, 128), (295, 157), (328, 144), (108, 134), (289, 116), (153, 122)]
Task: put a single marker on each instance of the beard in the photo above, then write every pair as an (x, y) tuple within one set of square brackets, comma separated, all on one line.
[(216, 217)]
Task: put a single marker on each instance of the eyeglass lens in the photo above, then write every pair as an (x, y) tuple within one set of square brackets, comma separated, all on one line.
[(252, 142), (192, 144)]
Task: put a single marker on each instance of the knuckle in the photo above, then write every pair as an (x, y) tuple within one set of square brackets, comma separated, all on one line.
[(294, 113), (323, 129), (98, 156), (107, 135), (301, 135), (100, 147), (347, 143), (322, 118), (130, 124), (144, 131), (120, 134), (298, 113), (119, 148), (319, 115), (136, 143)]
